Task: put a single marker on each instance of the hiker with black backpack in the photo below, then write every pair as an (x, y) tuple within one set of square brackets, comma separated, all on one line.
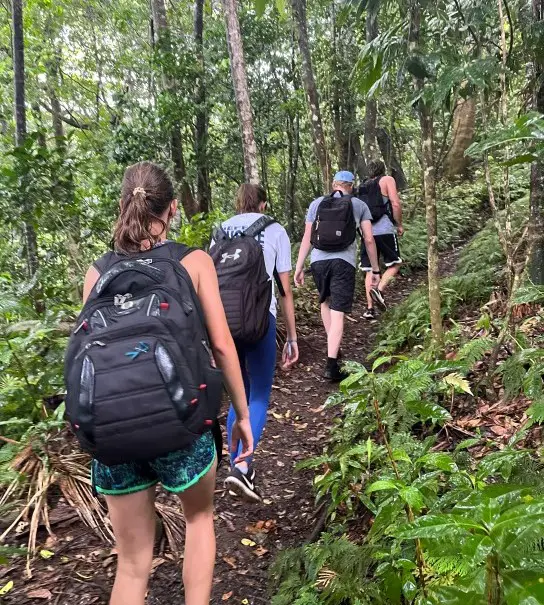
[(144, 372), (332, 222), (252, 256), (380, 194)]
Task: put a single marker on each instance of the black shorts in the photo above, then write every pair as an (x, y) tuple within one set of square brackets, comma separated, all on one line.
[(335, 281), (388, 251)]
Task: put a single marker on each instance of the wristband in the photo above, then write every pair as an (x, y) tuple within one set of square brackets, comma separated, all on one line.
[(376, 272)]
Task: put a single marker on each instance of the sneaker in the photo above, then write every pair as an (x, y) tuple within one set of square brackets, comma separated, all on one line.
[(369, 314), (334, 373), (243, 484), (378, 298)]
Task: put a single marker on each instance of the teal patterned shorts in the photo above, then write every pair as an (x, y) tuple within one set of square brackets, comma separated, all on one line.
[(177, 471)]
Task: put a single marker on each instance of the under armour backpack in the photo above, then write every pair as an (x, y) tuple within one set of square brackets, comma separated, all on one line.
[(140, 377), (371, 194), (244, 283), (334, 227)]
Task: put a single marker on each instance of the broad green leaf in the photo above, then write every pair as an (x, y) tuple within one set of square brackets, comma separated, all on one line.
[(260, 7), (401, 456), (439, 460), (523, 586), (436, 527), (413, 497), (380, 486), (427, 410), (380, 362), (352, 379)]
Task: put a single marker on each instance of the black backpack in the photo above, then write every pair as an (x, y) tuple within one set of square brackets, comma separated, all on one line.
[(244, 283), (371, 194), (334, 227), (140, 377)]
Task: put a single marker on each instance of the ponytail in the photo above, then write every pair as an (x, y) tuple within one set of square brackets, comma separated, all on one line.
[(249, 198), (146, 194)]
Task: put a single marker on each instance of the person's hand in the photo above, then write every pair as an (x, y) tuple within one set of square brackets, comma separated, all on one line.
[(241, 431), (376, 277), (290, 354), (299, 277), (400, 230)]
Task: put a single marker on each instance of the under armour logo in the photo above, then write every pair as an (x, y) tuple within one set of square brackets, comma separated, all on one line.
[(141, 347), (234, 256)]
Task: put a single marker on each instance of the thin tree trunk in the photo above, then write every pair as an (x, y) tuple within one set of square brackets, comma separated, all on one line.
[(464, 124), (320, 145), (203, 190), (371, 107), (429, 186), (360, 164), (160, 27), (20, 125), (537, 169), (241, 90), (390, 157)]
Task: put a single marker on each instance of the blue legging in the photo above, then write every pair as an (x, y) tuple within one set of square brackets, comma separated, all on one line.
[(258, 363)]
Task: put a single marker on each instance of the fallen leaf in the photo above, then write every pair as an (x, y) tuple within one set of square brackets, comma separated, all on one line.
[(227, 595), (41, 593), (498, 430), (46, 554), (260, 551), (230, 561), (6, 588), (247, 542), (245, 602), (277, 416), (267, 501)]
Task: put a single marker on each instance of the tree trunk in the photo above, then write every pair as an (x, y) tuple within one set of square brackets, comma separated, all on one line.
[(241, 90), (203, 190), (371, 107), (464, 123), (160, 28), (360, 164), (20, 126), (320, 145), (429, 186), (392, 162), (537, 169)]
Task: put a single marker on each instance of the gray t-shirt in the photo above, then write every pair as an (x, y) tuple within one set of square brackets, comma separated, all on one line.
[(360, 213)]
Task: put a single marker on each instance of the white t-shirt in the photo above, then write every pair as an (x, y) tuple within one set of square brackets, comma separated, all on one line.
[(275, 243)]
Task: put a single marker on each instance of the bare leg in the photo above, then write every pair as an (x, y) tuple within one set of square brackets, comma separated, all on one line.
[(133, 520), (368, 286), (389, 274), (199, 559), (336, 332), (326, 316)]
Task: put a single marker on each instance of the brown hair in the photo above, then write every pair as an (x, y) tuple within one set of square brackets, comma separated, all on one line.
[(146, 194), (249, 197), (375, 168)]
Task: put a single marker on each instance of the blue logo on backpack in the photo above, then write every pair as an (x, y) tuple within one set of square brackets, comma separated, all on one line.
[(142, 347)]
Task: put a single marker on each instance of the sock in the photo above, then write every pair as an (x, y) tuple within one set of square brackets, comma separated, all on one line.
[(243, 468), (331, 362)]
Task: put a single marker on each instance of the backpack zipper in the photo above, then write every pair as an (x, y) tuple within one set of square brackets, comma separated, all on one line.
[(97, 343)]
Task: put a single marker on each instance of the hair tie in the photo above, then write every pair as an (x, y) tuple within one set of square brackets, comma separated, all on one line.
[(139, 190)]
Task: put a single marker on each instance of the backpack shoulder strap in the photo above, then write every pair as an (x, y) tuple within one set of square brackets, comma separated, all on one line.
[(103, 263), (259, 225), (179, 251), (219, 234)]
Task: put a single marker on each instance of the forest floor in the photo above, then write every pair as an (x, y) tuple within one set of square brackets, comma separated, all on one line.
[(248, 536)]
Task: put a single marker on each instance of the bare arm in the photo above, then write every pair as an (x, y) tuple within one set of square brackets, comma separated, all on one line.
[(370, 245), (305, 247), (394, 199), (287, 304), (91, 278)]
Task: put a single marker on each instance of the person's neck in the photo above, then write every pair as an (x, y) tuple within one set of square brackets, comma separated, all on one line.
[(146, 244)]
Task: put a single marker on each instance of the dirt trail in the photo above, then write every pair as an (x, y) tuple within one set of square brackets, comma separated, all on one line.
[(297, 429)]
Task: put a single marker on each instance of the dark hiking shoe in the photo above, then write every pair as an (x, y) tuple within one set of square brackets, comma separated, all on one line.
[(243, 484), (369, 314), (378, 298), (334, 373)]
